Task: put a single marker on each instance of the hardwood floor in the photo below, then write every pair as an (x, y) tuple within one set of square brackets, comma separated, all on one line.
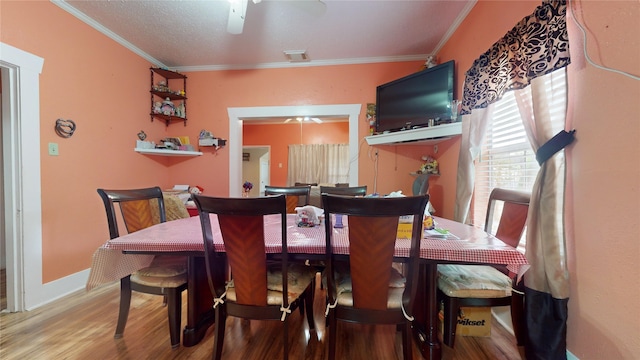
[(81, 326)]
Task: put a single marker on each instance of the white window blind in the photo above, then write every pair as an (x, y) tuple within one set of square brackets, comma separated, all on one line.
[(507, 159)]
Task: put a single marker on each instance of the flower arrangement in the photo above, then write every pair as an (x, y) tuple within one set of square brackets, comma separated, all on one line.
[(247, 186), (430, 166)]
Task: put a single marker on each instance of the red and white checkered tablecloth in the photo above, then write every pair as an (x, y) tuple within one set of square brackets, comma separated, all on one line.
[(469, 244)]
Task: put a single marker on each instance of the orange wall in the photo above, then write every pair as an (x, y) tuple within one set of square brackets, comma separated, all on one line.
[(104, 88), (604, 109), (212, 92), (279, 136)]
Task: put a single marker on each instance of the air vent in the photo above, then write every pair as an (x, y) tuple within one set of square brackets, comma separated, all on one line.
[(296, 55)]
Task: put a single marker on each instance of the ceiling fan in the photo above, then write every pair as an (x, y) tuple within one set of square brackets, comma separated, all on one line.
[(304, 119), (238, 11)]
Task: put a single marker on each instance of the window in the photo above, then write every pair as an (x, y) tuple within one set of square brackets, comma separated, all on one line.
[(507, 159)]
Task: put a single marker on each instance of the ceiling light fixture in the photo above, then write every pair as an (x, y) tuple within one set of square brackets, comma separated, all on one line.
[(305, 119), (296, 55)]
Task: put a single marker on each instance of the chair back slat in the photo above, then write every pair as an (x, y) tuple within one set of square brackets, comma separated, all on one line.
[(371, 258), (136, 214), (292, 203), (244, 243)]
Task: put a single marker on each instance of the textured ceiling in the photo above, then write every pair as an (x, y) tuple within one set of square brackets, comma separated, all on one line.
[(192, 35)]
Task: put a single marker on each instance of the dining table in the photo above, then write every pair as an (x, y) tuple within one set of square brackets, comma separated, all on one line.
[(454, 243)]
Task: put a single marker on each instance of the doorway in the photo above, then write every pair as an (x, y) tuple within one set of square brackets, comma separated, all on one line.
[(255, 168), (238, 115)]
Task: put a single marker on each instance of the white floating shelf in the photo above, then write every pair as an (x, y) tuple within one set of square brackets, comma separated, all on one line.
[(162, 152), (426, 135)]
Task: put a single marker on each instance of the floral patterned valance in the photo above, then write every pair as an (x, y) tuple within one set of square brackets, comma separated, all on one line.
[(536, 46)]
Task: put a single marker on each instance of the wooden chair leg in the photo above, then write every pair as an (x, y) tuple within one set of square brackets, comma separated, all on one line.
[(174, 309), (125, 303), (451, 310), (285, 339), (517, 317), (407, 341), (218, 341), (332, 335), (308, 300)]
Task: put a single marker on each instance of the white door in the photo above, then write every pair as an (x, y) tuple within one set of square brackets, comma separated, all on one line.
[(265, 174)]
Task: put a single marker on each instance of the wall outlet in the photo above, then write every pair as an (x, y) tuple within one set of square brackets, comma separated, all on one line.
[(53, 149)]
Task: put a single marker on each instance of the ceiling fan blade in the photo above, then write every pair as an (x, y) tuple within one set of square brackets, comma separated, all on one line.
[(237, 12)]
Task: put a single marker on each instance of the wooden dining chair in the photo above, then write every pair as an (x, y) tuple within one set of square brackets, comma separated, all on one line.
[(348, 190), (483, 285), (166, 275), (296, 195), (364, 287), (258, 289), (305, 184)]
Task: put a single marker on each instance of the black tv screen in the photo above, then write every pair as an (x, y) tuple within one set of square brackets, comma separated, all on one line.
[(410, 102)]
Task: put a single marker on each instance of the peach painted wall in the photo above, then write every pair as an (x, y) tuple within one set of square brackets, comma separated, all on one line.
[(605, 111), (279, 136), (603, 162), (104, 89), (212, 92)]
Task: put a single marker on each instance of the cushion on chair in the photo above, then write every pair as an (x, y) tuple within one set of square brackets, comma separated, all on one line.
[(300, 276), (159, 281), (477, 281), (174, 208), (164, 271), (344, 287)]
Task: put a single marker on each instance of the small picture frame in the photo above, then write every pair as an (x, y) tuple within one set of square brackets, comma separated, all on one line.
[(246, 156)]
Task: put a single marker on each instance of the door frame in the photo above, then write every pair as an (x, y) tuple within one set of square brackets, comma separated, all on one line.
[(22, 182), (239, 114)]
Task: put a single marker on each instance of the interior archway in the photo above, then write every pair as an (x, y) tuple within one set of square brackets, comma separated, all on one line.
[(238, 115)]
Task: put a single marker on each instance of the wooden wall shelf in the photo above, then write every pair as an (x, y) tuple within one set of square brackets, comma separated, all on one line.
[(163, 152)]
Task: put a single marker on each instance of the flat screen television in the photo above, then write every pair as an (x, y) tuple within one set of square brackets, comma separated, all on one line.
[(409, 102)]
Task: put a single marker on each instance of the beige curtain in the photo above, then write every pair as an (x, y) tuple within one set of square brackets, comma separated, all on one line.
[(318, 163), (474, 128), (546, 245)]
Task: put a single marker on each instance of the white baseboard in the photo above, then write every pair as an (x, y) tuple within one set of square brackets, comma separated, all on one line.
[(502, 314), (59, 288)]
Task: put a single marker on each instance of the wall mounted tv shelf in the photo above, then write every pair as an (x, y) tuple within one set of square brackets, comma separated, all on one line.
[(426, 135)]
